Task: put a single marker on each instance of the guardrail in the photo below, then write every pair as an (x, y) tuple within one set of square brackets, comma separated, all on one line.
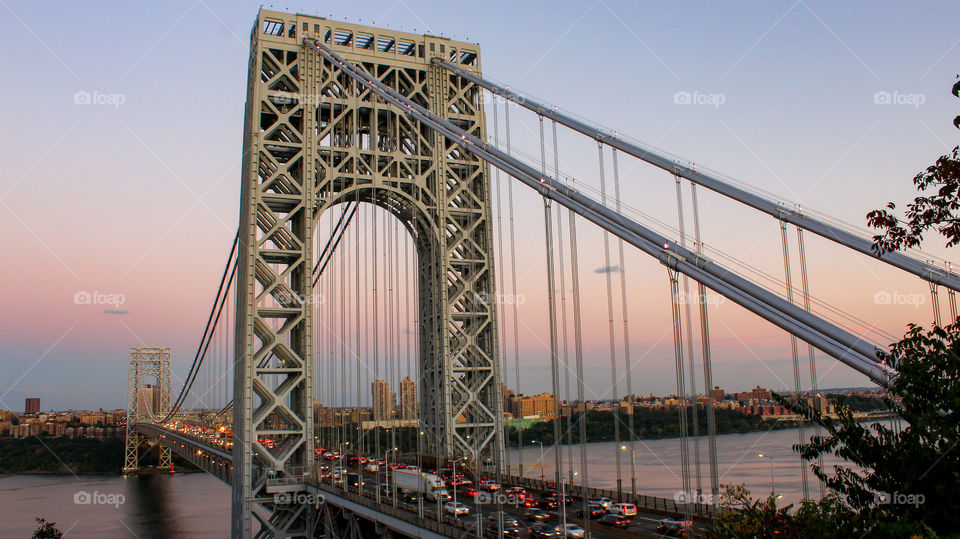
[(446, 526)]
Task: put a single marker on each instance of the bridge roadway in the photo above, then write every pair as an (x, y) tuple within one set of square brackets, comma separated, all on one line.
[(215, 459)]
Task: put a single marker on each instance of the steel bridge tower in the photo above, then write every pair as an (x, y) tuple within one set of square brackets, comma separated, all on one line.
[(144, 403), (313, 138)]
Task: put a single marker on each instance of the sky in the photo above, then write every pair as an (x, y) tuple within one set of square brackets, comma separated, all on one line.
[(134, 197)]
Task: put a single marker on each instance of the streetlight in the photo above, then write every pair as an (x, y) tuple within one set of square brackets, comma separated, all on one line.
[(541, 459), (454, 483), (342, 467), (773, 490), (633, 468)]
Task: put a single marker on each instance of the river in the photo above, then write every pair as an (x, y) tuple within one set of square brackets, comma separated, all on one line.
[(197, 505)]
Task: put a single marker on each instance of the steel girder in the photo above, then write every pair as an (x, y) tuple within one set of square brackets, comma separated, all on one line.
[(146, 362), (314, 138)]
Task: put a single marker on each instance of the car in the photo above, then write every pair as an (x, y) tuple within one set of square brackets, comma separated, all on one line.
[(595, 511), (624, 509), (372, 467), (674, 528), (506, 531), (469, 491), (617, 521), (607, 503), (571, 530), (547, 503), (599, 502), (508, 519), (536, 514), (456, 508), (438, 494), (354, 480), (489, 484), (544, 531)]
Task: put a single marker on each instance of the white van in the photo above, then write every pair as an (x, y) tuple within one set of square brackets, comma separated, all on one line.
[(623, 509)]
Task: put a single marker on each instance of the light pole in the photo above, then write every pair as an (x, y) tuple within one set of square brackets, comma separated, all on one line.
[(541, 458), (633, 466), (773, 490), (454, 483), (342, 466)]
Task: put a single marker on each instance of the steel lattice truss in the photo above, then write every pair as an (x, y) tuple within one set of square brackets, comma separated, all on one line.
[(313, 138), (147, 364)]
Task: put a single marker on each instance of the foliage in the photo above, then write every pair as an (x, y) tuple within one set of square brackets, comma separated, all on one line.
[(906, 478), (46, 530), (857, 403), (65, 455), (648, 424)]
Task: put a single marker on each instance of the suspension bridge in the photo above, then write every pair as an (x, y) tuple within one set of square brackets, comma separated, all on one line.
[(316, 304)]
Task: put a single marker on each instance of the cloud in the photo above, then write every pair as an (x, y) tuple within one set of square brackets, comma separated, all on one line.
[(115, 311), (607, 269)]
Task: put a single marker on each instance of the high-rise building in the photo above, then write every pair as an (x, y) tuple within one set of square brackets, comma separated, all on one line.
[(541, 405), (384, 400), (149, 396), (408, 399), (32, 405)]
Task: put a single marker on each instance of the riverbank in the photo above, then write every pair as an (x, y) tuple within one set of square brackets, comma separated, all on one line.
[(79, 456)]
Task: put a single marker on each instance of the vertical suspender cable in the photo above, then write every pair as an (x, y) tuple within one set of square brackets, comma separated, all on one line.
[(376, 338), (678, 359), (356, 350), (563, 324), (952, 297), (513, 281), (608, 271), (693, 371), (810, 353), (707, 365), (498, 269), (552, 308), (578, 347), (626, 334), (936, 303), (793, 349)]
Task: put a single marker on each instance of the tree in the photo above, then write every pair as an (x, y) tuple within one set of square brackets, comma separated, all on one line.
[(939, 210), (46, 530), (905, 477)]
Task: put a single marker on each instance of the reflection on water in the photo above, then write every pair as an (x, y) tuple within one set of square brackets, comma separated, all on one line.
[(182, 505), (658, 464), (144, 506)]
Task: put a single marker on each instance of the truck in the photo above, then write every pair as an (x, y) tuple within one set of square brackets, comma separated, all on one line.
[(428, 485)]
